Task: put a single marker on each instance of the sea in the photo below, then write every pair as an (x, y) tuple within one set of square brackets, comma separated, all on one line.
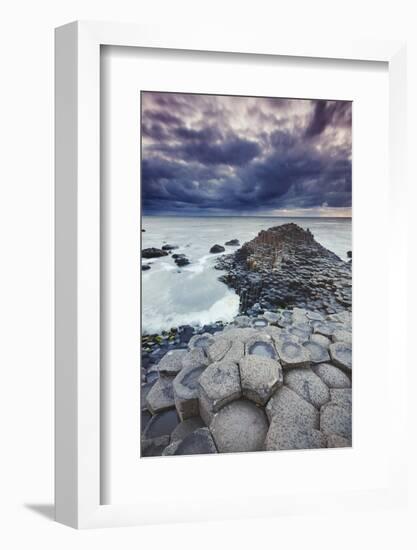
[(193, 295)]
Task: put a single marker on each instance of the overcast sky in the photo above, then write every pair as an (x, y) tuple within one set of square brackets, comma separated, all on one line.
[(227, 155)]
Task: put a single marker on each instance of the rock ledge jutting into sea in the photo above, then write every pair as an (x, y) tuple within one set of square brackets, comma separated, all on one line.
[(285, 266)]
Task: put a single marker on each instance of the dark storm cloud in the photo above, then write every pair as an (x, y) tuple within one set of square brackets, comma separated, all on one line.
[(217, 154)]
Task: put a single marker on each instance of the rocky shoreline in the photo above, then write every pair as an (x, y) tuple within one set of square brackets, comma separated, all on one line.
[(277, 377)]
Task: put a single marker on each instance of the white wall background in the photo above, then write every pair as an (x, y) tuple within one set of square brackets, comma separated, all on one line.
[(26, 274)]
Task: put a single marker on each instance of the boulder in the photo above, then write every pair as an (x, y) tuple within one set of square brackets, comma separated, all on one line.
[(182, 262), (287, 407), (232, 242), (341, 354), (215, 249), (318, 353), (161, 424), (199, 442), (259, 377), (335, 419), (186, 391), (292, 354), (168, 247), (287, 437), (307, 385), (171, 362), (219, 385), (146, 267), (186, 427), (153, 253), (160, 396), (240, 426), (332, 376)]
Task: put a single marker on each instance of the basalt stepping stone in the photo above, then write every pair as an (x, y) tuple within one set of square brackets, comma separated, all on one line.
[(342, 397), (318, 354), (308, 386), (326, 328), (344, 317), (262, 345), (161, 424), (186, 427), (286, 437), (160, 396), (236, 352), (302, 334), (154, 447), (287, 407), (271, 316), (233, 333), (218, 349), (314, 316), (259, 322), (259, 377), (195, 358), (274, 332), (240, 426), (341, 354), (171, 362), (335, 419), (292, 354), (299, 315), (321, 340), (199, 442), (242, 321), (203, 341), (337, 441), (332, 376), (342, 336), (219, 385), (186, 391)]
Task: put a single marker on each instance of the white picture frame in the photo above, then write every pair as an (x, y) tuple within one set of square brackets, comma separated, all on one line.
[(77, 243)]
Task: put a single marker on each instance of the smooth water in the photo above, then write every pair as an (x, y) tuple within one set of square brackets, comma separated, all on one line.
[(192, 295)]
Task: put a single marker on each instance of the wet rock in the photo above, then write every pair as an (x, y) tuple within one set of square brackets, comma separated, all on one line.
[(335, 419), (285, 437), (349, 254), (261, 344), (332, 376), (240, 426), (342, 336), (186, 427), (242, 321), (153, 253), (154, 447), (292, 354), (308, 386), (318, 354), (203, 341), (219, 385), (288, 408), (146, 267), (168, 247), (186, 391), (341, 354), (199, 442), (182, 262), (233, 242), (274, 332), (321, 340), (337, 441), (171, 362), (259, 322), (161, 424), (215, 249), (160, 396), (259, 377)]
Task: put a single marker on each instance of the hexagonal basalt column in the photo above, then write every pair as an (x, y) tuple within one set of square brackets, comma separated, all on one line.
[(240, 426), (160, 396), (262, 345), (341, 354), (203, 341), (219, 385), (318, 353), (199, 442), (335, 419), (171, 362), (186, 391), (288, 408), (259, 377), (307, 385), (284, 437), (332, 376), (292, 354), (195, 358), (218, 349)]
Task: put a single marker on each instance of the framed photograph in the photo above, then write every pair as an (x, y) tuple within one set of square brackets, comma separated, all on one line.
[(225, 332)]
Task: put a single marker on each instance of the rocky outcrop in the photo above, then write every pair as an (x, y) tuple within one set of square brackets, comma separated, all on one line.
[(285, 266), (216, 248), (268, 382), (153, 253)]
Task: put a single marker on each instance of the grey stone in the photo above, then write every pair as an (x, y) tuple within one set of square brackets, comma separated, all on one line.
[(292, 354), (195, 358), (344, 317), (154, 447), (199, 442), (240, 426), (200, 341), (171, 448), (259, 377), (321, 340), (314, 316), (236, 352), (171, 362), (160, 396), (341, 354), (242, 321), (274, 332), (161, 424), (287, 407), (144, 390), (299, 315), (185, 427), (332, 376), (261, 344), (318, 354), (260, 322), (232, 333), (186, 391), (219, 385), (218, 349), (271, 316), (341, 335), (342, 397), (335, 419), (308, 386), (287, 437), (145, 417), (326, 329), (335, 441)]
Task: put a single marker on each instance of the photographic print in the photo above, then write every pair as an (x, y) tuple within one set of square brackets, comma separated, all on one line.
[(246, 274)]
